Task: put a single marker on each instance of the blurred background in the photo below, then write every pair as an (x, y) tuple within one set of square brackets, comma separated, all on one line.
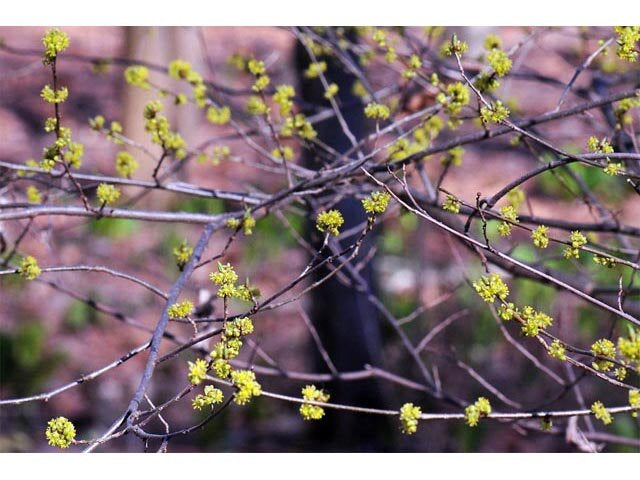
[(51, 333)]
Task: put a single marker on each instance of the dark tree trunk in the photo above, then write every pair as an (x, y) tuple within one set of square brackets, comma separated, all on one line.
[(347, 323)]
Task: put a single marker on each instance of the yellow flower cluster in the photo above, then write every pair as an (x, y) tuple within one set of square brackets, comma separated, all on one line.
[(33, 195), (605, 261), (211, 396), (138, 76), (491, 287), (413, 65), (313, 412), (73, 154), (298, 125), (507, 311), (115, 128), (315, 69), (473, 413), (377, 111), (495, 113), (182, 253), (455, 46), (601, 413), (451, 204), (409, 416), (29, 268), (219, 153), (487, 82), (259, 71), (180, 309), (282, 97), (126, 165), (51, 96), (182, 70), (160, 129), (540, 236), (603, 348), (376, 203), (329, 221), (534, 321), (401, 149), (60, 432), (429, 131), (246, 385), (634, 401), (226, 279), (256, 67), (627, 40), (603, 146), (179, 69), (491, 42), (622, 110), (225, 276), (197, 371), (499, 61), (229, 345), (577, 241), (288, 153), (255, 106), (630, 347), (510, 214), (557, 350), (107, 194), (219, 116), (613, 168), (599, 146), (359, 90), (331, 91), (247, 223), (238, 328), (54, 42), (261, 83), (454, 98)]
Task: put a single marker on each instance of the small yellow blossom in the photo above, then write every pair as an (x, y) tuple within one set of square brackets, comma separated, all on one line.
[(376, 203), (313, 412), (540, 236), (409, 416), (138, 76), (211, 396), (451, 204), (54, 42), (180, 309), (603, 348), (491, 287), (601, 413), (473, 413), (29, 268), (246, 385), (377, 111), (329, 221), (182, 253), (60, 432), (107, 194), (197, 371), (33, 195), (126, 165), (557, 350)]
